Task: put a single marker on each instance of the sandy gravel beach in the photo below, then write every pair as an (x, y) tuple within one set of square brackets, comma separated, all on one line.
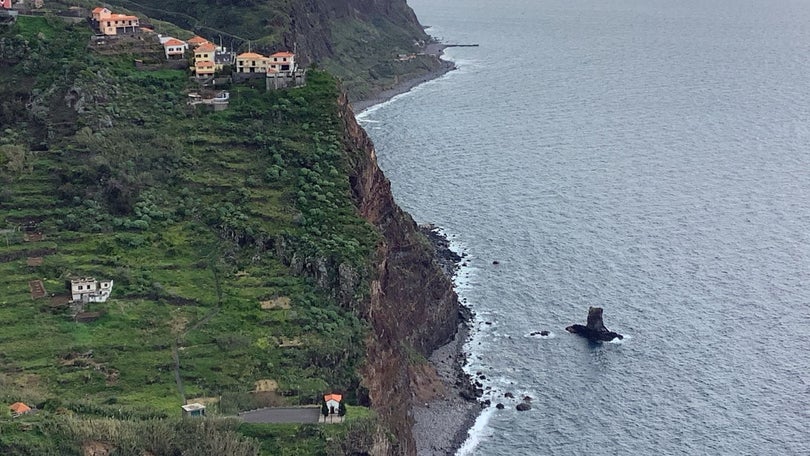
[(444, 417), (408, 84), (442, 423)]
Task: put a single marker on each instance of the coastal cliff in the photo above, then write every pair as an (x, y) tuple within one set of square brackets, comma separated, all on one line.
[(411, 306), (250, 243)]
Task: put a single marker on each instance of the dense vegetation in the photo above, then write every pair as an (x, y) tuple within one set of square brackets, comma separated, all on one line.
[(204, 220)]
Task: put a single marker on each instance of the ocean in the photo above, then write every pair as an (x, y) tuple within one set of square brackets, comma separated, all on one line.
[(650, 157)]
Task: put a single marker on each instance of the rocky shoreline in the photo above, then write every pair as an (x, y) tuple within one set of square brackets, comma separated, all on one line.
[(442, 419), (445, 402)]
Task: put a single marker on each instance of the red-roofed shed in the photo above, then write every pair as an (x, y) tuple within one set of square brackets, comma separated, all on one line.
[(18, 408), (333, 402)]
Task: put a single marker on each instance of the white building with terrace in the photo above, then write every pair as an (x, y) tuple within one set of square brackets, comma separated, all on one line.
[(88, 289)]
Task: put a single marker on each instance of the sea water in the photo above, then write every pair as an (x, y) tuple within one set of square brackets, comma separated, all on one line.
[(651, 157)]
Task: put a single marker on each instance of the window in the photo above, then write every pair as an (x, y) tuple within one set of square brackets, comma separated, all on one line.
[(80, 287)]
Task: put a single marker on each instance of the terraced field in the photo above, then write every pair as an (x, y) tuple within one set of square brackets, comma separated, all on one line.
[(194, 215)]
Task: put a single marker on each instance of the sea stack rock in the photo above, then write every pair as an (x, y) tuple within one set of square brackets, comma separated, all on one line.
[(595, 329)]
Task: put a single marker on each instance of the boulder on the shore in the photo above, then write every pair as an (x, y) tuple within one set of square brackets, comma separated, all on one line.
[(595, 329), (523, 406)]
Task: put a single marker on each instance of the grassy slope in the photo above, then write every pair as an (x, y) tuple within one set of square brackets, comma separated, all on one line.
[(185, 209)]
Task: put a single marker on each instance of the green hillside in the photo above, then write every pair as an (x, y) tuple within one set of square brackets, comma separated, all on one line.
[(356, 40), (204, 220)]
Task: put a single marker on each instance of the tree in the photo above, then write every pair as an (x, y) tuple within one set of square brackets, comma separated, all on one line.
[(341, 409), (324, 411)]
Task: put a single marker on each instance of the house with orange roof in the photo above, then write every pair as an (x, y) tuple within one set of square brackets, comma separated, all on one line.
[(204, 51), (174, 48), (204, 60), (332, 402), (108, 23), (251, 62), (196, 40), (18, 408), (7, 14), (282, 61)]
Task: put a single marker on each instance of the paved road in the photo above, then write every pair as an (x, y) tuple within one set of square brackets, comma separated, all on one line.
[(282, 415)]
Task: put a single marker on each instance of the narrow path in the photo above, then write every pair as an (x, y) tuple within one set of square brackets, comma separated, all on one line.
[(176, 358), (175, 351), (282, 415)]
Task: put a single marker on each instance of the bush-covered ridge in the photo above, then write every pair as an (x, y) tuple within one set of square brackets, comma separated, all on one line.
[(199, 217)]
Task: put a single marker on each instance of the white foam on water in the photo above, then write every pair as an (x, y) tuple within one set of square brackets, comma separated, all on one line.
[(620, 341), (362, 116), (477, 433), (550, 335)]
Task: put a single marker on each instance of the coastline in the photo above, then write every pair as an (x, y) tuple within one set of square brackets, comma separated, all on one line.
[(445, 399), (449, 408), (434, 49)]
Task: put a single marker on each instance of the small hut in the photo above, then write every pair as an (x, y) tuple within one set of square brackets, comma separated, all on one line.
[(332, 402), (18, 408), (195, 409)]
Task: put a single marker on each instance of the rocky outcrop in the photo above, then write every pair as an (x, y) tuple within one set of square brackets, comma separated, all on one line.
[(595, 329), (411, 305)]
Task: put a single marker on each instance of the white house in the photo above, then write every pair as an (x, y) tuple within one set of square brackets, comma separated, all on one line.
[(332, 402), (282, 61), (174, 48), (88, 289)]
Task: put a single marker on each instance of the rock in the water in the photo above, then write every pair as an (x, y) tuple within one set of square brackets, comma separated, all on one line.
[(527, 398), (500, 406), (595, 329), (523, 406), (508, 394)]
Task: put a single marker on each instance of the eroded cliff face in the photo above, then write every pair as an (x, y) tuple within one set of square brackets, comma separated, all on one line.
[(411, 305), (312, 22)]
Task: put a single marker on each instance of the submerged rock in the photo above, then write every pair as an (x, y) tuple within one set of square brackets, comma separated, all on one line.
[(523, 406), (595, 329)]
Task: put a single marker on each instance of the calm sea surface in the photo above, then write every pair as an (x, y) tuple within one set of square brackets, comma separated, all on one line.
[(648, 156)]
